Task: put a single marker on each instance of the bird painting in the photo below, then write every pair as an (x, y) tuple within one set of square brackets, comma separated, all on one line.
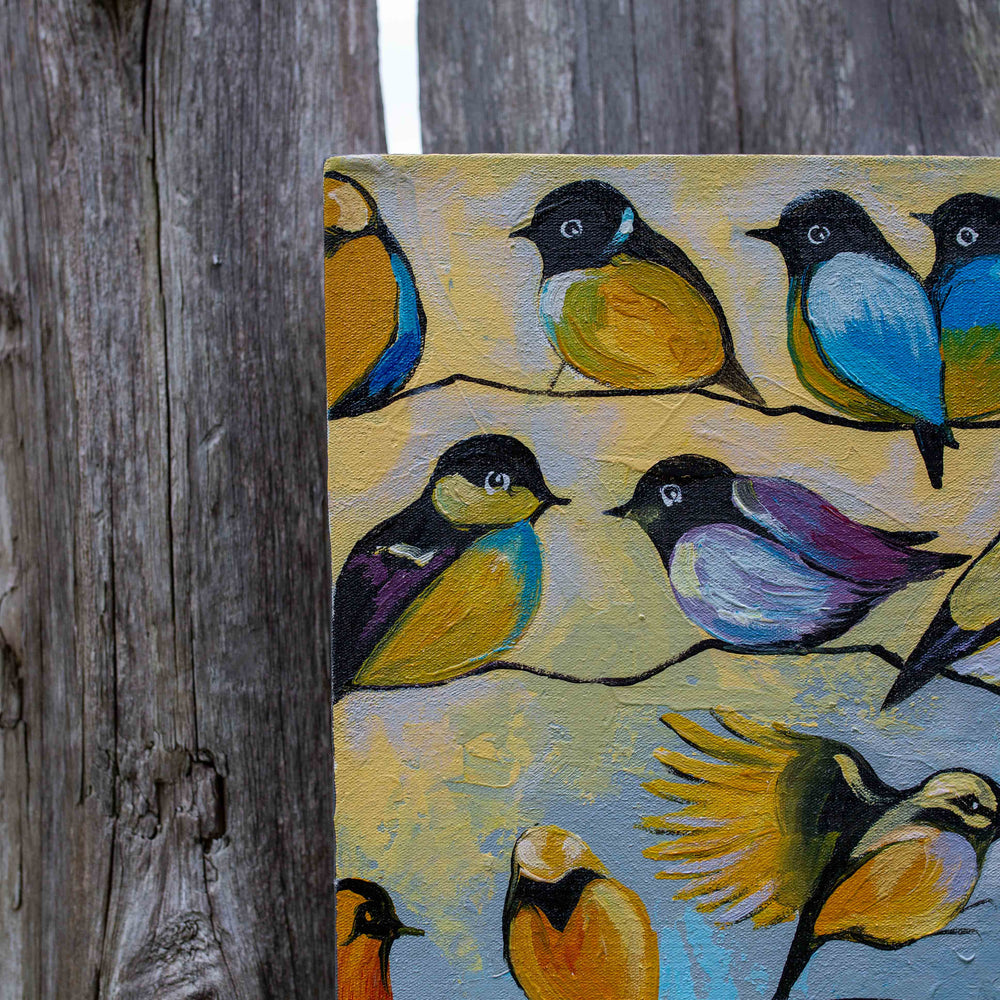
[(964, 287), (367, 926), (963, 640), (862, 332), (764, 564), (450, 582), (375, 323), (621, 303), (570, 930), (779, 824)]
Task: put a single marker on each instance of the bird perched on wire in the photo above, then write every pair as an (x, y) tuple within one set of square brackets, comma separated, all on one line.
[(375, 322), (964, 287), (762, 563), (451, 581), (571, 931), (963, 640), (621, 303), (861, 330), (780, 823), (367, 926)]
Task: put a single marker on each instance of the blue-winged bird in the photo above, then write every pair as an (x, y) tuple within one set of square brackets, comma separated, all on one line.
[(623, 304), (964, 637), (571, 931), (964, 286), (374, 320), (762, 563), (861, 330), (451, 581), (783, 823), (367, 925)]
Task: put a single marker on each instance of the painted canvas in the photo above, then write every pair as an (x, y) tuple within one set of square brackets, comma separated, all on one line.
[(664, 503)]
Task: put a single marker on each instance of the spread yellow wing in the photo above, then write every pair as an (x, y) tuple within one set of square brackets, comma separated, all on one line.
[(759, 822)]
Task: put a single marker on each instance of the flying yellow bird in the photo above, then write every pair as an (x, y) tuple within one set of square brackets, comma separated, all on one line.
[(783, 823), (367, 925), (570, 931)]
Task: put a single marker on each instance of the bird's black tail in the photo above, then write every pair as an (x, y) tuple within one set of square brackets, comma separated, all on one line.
[(732, 376), (932, 440), (803, 946), (908, 682)]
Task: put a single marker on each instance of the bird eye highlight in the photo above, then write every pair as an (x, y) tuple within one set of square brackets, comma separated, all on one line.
[(670, 494), (966, 236), (571, 228), (818, 234), (496, 481)]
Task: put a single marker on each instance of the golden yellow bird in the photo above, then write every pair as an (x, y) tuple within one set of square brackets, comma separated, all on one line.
[(782, 823), (367, 925), (571, 931)]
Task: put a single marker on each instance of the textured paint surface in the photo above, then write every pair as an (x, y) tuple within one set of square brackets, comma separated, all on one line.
[(435, 784)]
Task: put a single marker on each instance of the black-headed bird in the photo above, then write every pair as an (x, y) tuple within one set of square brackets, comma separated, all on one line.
[(762, 563), (862, 332), (375, 322), (571, 931), (781, 823), (964, 287), (367, 926), (963, 640), (450, 582), (621, 303)]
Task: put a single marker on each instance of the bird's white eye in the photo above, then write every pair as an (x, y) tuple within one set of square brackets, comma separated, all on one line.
[(496, 481), (974, 806), (818, 234), (966, 236), (670, 494), (571, 228)]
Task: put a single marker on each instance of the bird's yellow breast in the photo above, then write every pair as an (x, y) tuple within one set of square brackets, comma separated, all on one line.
[(361, 312), (912, 886), (633, 325), (607, 950), (474, 610), (824, 384)]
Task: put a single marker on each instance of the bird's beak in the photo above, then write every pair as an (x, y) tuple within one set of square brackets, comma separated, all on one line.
[(403, 931), (623, 511), (924, 217), (772, 235), (526, 232)]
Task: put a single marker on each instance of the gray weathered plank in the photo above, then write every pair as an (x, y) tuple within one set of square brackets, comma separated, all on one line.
[(165, 769), (710, 76)]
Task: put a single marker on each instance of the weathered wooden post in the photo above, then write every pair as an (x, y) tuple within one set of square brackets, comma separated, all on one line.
[(165, 793), (710, 76)]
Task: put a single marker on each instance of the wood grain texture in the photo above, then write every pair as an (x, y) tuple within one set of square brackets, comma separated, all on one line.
[(710, 76), (165, 763)]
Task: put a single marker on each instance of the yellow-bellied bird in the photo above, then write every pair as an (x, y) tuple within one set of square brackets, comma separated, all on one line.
[(367, 925), (963, 640), (623, 304), (570, 931), (783, 823), (450, 582), (374, 320)]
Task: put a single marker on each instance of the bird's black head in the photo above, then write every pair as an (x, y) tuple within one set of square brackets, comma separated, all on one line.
[(583, 224), (678, 494), (349, 211), (821, 224), (489, 480), (964, 227), (365, 909)]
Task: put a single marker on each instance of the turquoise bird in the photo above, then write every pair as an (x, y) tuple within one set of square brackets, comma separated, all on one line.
[(963, 640), (964, 287), (453, 580), (375, 323), (861, 330)]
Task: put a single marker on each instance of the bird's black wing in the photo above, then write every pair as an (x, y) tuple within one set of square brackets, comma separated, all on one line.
[(380, 578)]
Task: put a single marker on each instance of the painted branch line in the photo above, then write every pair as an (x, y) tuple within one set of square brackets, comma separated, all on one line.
[(819, 416)]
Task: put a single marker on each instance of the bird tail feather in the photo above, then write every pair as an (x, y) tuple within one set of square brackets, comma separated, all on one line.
[(732, 376), (932, 439)]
